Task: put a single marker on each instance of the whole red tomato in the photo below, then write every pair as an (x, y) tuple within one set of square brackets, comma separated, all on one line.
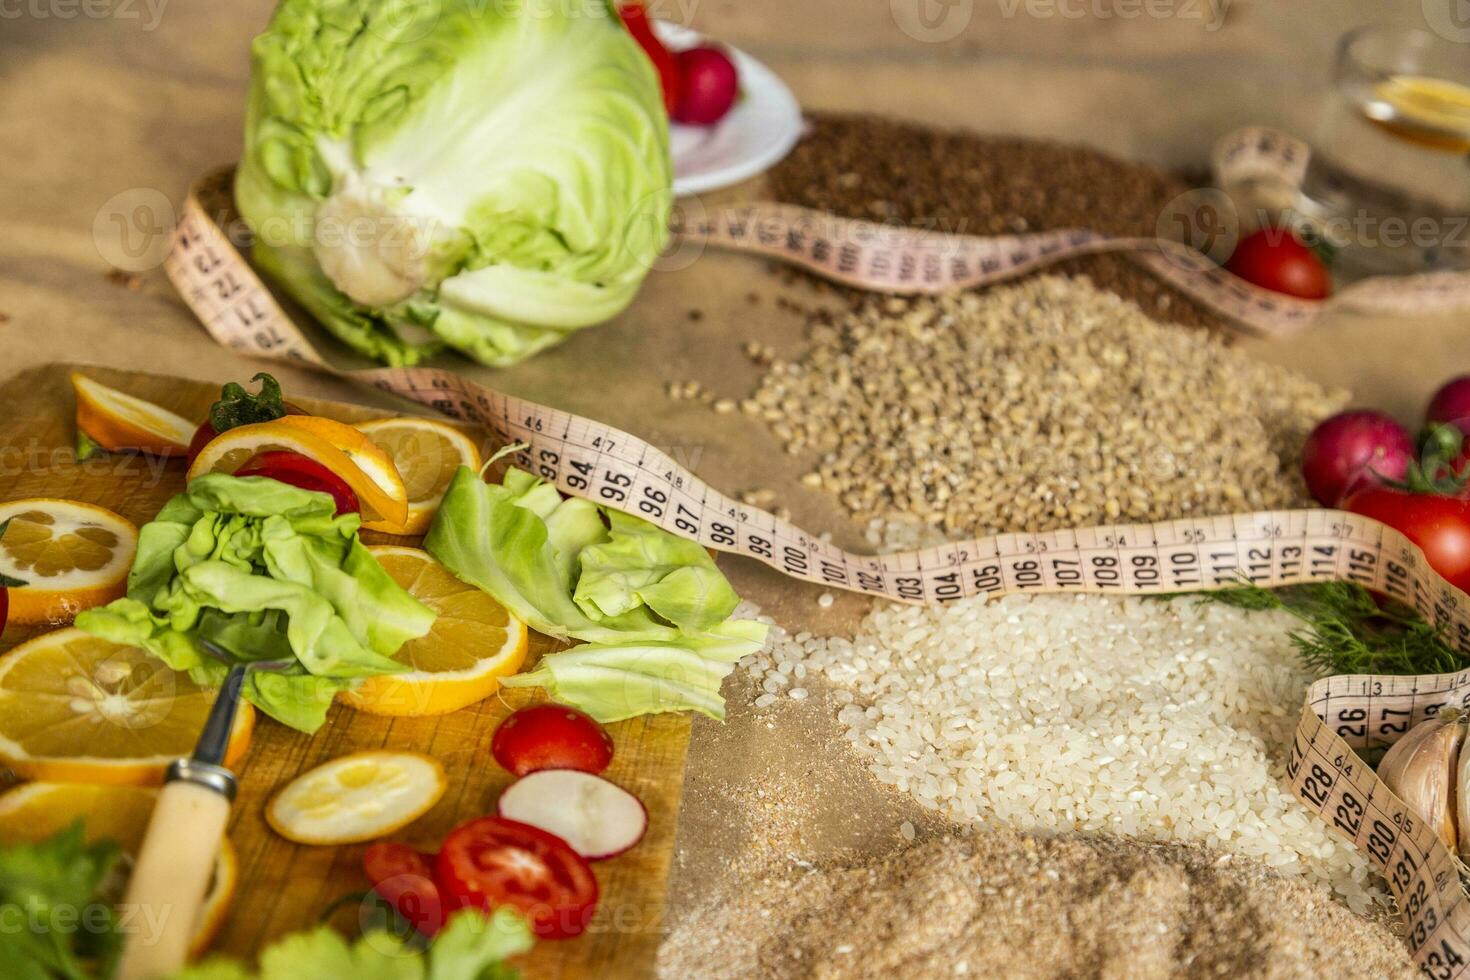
[(1439, 525), (1275, 259), (206, 432)]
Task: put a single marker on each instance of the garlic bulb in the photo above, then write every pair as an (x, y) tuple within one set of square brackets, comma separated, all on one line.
[(1422, 769), (1462, 797)]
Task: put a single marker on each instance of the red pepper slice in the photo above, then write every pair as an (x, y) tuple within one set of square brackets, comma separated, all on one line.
[(297, 470)]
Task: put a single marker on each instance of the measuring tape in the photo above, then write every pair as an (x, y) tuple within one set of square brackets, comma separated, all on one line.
[(901, 260), (589, 459)]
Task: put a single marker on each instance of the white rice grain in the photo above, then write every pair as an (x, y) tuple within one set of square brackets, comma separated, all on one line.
[(1161, 720)]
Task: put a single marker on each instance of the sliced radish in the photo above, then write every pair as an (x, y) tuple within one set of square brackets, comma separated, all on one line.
[(597, 818)]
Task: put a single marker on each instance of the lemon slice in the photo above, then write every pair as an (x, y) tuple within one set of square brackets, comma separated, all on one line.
[(427, 453), (71, 556), (358, 797), (230, 450), (36, 811), (74, 708), (475, 641), (118, 421)]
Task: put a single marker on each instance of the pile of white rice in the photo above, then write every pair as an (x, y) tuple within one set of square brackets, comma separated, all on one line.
[(1161, 720)]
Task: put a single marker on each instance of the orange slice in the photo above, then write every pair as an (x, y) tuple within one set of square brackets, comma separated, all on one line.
[(71, 556), (118, 421), (75, 708), (230, 450), (357, 797), (427, 453), (474, 642), (369, 458), (36, 811)]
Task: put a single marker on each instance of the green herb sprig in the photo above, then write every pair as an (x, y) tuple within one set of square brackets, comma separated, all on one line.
[(1347, 631)]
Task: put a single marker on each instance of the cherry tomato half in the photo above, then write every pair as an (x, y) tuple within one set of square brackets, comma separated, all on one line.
[(297, 470), (490, 862), (1275, 259), (1440, 526), (551, 736), (405, 879)]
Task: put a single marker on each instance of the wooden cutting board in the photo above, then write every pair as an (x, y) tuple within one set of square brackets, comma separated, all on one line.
[(284, 886)]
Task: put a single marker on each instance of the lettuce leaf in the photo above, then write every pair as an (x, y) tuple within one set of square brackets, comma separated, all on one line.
[(653, 608), (471, 946), (266, 571)]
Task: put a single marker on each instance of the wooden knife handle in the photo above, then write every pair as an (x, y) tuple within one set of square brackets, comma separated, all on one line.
[(171, 877)]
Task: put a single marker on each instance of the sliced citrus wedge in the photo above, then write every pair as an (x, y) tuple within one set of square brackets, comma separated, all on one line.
[(36, 811), (369, 457), (72, 556), (232, 449), (427, 454), (474, 642), (118, 421), (74, 708), (357, 797)]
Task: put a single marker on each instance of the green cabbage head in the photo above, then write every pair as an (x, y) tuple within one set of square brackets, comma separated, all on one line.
[(488, 174)]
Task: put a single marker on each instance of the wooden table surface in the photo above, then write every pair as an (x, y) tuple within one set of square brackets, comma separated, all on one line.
[(103, 114)]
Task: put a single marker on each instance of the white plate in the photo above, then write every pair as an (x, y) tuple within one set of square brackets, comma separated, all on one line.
[(759, 131)]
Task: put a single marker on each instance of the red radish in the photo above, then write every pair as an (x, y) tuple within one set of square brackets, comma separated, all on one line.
[(297, 470), (597, 818), (405, 879), (710, 82), (551, 736), (491, 861), (1451, 403), (1348, 450)]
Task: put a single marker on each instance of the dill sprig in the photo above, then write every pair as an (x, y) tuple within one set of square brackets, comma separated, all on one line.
[(1348, 631)]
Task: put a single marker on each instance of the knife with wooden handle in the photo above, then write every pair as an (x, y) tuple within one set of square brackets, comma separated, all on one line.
[(172, 873)]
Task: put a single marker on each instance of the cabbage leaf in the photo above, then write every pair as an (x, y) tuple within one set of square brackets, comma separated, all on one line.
[(653, 609)]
